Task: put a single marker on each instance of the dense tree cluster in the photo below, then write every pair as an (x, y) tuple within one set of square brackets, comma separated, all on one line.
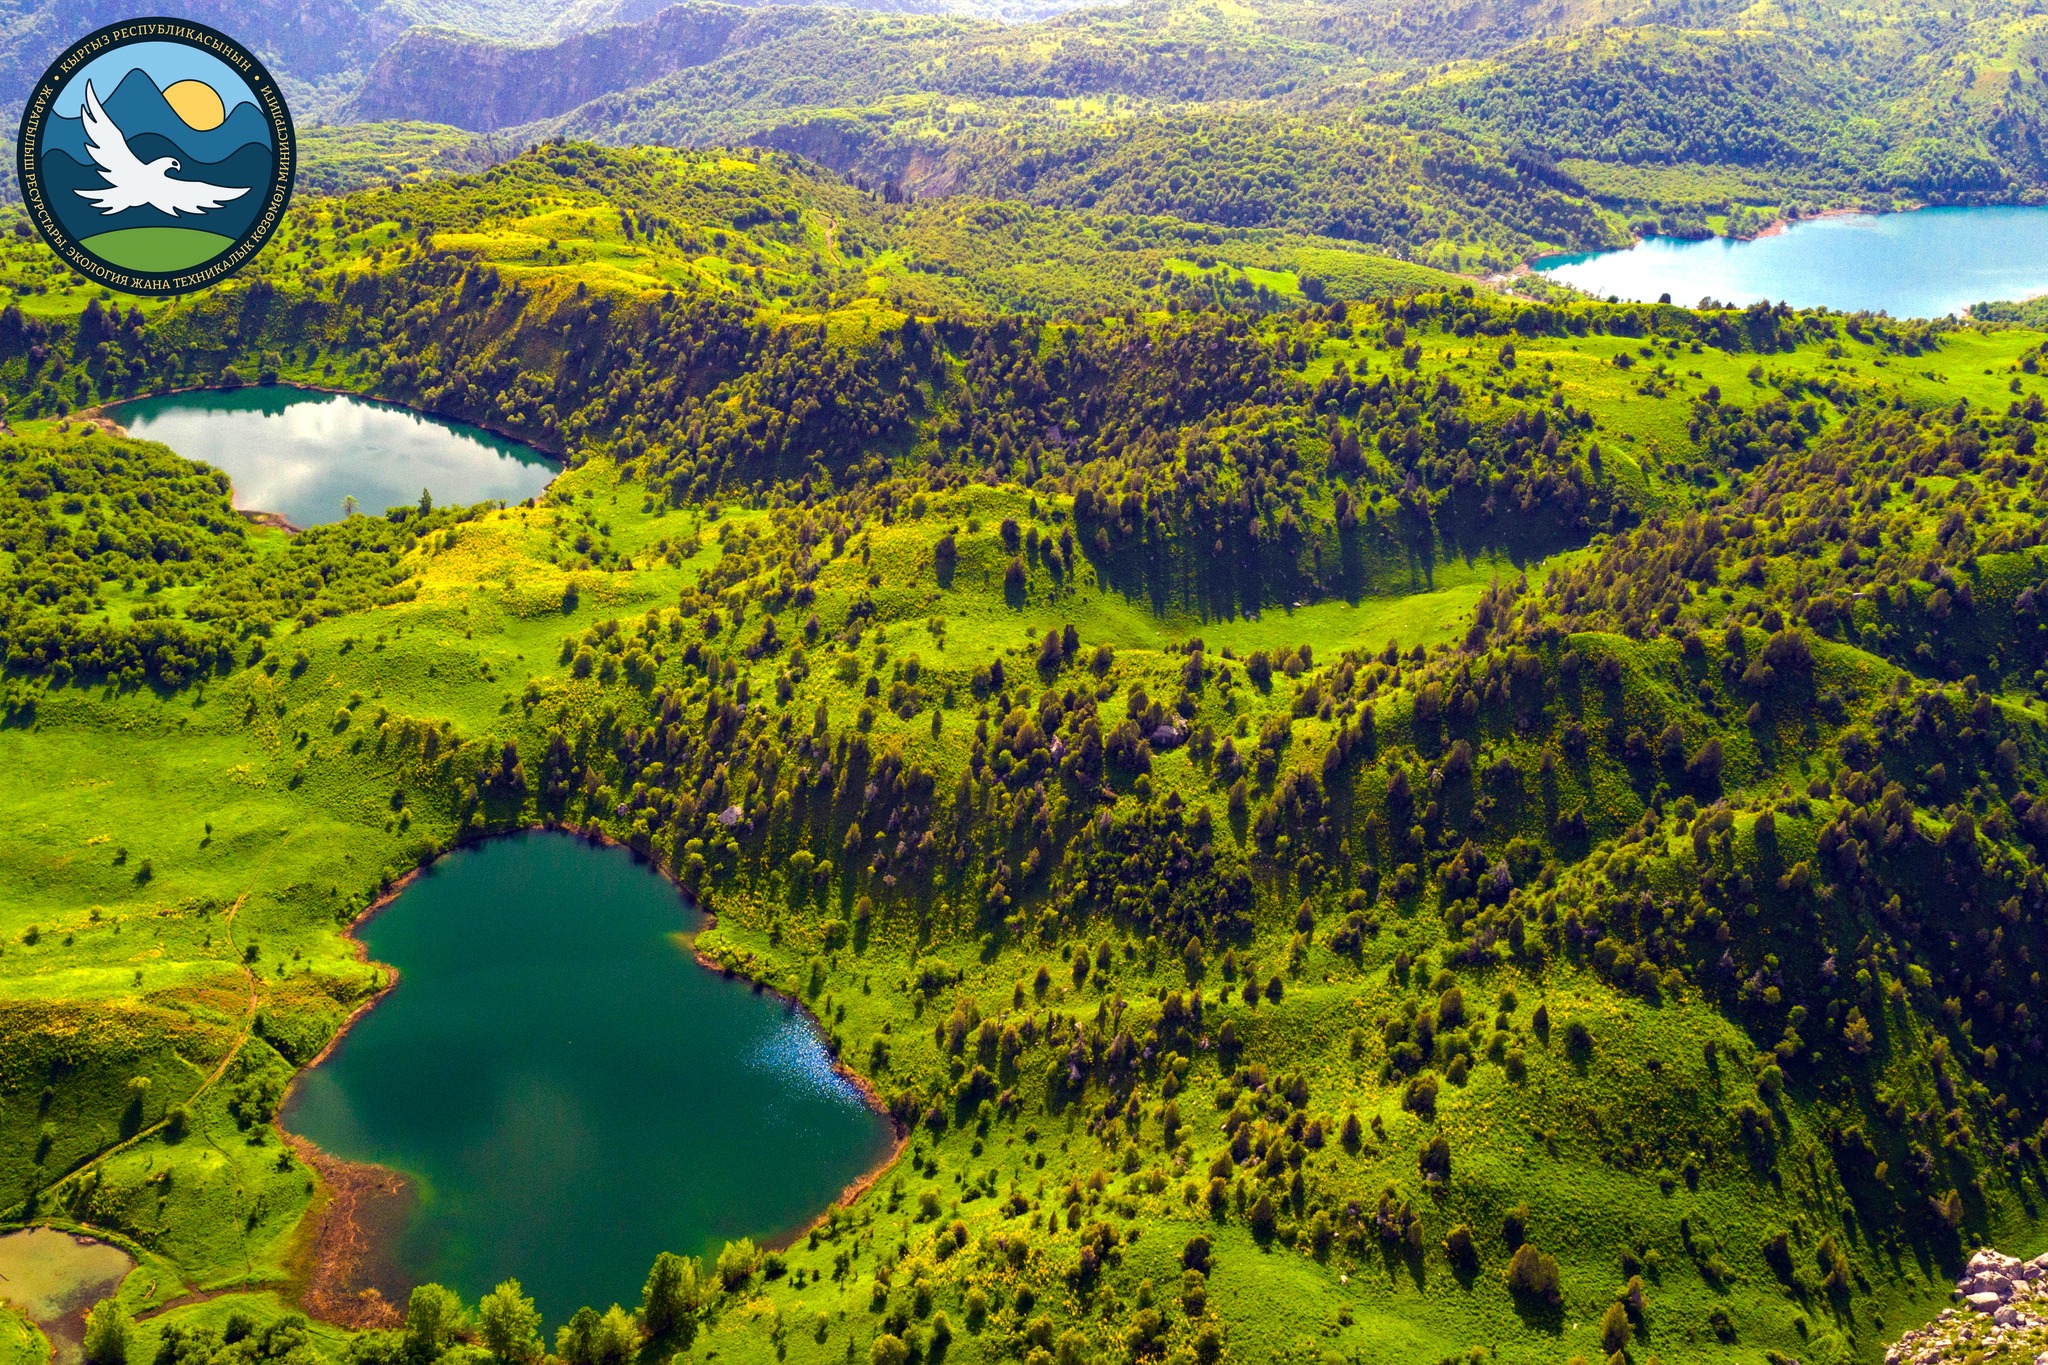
[(1426, 198), (128, 564)]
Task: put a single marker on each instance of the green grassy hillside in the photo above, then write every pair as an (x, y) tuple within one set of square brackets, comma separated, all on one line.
[(1433, 826)]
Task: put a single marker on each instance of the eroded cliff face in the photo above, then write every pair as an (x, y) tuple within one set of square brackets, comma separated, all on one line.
[(449, 77)]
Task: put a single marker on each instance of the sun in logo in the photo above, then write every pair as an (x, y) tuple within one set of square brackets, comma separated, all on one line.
[(198, 103)]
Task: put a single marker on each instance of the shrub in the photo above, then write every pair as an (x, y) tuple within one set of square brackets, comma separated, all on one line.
[(107, 1334), (433, 1320), (510, 1324), (736, 1262), (1777, 1251), (1614, 1328), (1459, 1247), (1534, 1275), (1705, 767), (1450, 1008), (1435, 1160), (669, 1301)]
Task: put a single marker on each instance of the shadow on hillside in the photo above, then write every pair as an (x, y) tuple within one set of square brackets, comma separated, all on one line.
[(1539, 1314), (1231, 576), (1398, 1256)]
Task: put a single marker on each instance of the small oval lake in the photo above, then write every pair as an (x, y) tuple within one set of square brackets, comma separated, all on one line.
[(54, 1277), (300, 453), (568, 1090), (1928, 263)]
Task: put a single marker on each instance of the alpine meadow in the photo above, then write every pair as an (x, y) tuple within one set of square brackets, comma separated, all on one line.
[(1120, 732)]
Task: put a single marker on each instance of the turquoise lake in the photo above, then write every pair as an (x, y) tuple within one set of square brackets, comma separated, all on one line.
[(300, 453), (568, 1091), (1924, 264)]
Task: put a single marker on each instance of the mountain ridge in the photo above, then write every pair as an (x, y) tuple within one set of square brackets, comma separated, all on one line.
[(443, 76), (136, 106)]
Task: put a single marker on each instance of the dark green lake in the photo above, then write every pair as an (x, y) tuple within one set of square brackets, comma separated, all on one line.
[(300, 453), (1928, 263), (568, 1090)]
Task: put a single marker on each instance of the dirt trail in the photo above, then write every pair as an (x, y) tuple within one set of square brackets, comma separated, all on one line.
[(212, 1078)]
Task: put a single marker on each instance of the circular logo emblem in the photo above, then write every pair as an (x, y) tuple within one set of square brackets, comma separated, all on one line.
[(156, 156)]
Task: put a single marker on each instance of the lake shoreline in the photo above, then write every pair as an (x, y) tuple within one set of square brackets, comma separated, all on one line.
[(1921, 261), (99, 410), (102, 416), (337, 1241), (339, 1222), (360, 1194), (1777, 227), (1780, 225), (854, 1081)]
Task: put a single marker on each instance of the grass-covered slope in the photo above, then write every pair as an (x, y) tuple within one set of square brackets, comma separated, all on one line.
[(754, 227), (1381, 830)]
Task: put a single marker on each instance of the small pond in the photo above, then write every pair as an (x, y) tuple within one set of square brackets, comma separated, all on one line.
[(300, 453), (54, 1277), (568, 1090), (1928, 263)]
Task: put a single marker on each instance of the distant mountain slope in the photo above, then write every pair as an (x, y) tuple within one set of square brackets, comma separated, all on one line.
[(449, 76), (338, 158), (1650, 95), (313, 46), (320, 49), (1452, 203), (1174, 50), (1431, 128), (824, 59), (443, 76), (1916, 106)]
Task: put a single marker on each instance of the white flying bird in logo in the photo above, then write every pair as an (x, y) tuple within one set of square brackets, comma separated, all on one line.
[(130, 183)]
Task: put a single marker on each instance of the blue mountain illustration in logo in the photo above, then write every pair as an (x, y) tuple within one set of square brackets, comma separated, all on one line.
[(237, 154)]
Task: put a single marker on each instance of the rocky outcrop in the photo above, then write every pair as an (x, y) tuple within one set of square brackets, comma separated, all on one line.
[(447, 77), (2002, 1309)]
